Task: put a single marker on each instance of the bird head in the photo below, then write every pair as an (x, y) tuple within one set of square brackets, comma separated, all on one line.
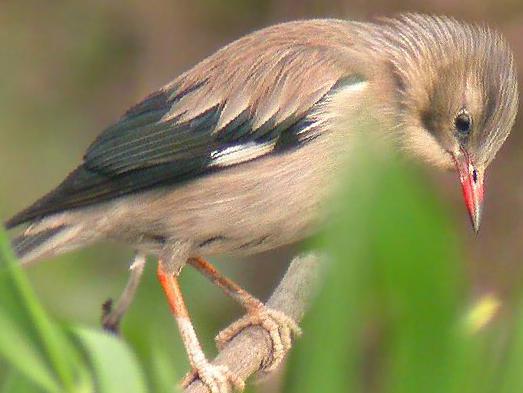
[(459, 96)]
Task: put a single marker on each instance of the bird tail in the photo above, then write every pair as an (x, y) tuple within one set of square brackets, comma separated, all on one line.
[(48, 242)]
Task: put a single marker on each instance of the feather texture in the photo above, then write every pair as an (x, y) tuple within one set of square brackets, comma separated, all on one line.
[(435, 55), (251, 98), (276, 89)]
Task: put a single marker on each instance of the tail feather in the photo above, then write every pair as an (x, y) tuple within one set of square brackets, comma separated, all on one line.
[(46, 243)]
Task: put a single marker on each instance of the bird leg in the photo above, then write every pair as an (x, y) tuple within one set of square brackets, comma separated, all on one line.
[(111, 317), (218, 379), (279, 326)]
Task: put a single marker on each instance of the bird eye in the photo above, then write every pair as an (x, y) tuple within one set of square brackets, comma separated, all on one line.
[(463, 123)]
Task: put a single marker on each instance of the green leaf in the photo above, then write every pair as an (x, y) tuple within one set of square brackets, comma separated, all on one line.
[(17, 383), (18, 301), (115, 366), (394, 271), (18, 350), (162, 370), (512, 372)]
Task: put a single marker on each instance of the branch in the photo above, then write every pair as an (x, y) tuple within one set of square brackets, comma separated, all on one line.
[(245, 353)]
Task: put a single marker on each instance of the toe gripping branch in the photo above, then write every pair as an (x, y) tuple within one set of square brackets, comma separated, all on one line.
[(279, 326), (220, 379)]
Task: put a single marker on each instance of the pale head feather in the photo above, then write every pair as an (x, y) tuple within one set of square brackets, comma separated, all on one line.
[(443, 65)]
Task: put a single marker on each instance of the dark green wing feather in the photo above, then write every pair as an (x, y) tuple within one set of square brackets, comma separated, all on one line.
[(178, 133)]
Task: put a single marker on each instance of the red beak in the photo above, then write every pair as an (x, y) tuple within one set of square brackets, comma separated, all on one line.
[(472, 185)]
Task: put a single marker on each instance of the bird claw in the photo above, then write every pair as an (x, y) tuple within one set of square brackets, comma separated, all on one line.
[(109, 323), (218, 379), (280, 327)]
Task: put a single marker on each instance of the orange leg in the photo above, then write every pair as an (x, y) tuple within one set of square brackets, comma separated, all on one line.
[(217, 378), (249, 302), (279, 326)]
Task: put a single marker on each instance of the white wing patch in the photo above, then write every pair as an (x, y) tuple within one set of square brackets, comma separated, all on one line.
[(237, 154), (240, 153), (356, 87)]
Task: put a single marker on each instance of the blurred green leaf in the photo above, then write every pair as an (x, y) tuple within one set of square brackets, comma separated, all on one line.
[(162, 370), (394, 264), (17, 383), (115, 365), (24, 314), (512, 374), (20, 352)]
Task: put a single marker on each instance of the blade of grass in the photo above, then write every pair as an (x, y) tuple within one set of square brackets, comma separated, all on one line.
[(17, 299), (18, 383), (20, 353), (394, 252), (416, 268), (512, 380), (161, 369), (328, 359), (115, 366)]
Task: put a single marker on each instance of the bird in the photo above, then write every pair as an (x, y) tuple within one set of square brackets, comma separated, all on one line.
[(240, 154)]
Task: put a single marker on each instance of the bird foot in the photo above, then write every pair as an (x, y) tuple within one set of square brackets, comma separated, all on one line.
[(279, 326), (109, 324), (218, 379)]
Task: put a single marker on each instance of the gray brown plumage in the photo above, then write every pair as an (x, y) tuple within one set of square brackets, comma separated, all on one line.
[(274, 90), (239, 154)]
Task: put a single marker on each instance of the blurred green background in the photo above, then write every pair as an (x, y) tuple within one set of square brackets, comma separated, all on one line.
[(70, 68)]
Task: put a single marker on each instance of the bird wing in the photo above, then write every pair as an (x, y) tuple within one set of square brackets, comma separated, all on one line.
[(252, 98)]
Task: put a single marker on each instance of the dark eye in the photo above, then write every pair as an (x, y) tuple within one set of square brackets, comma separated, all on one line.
[(463, 123)]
